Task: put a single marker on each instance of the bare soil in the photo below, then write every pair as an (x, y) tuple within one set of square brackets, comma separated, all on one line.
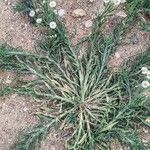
[(17, 113)]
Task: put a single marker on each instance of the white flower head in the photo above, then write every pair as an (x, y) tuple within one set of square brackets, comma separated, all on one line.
[(53, 25), (145, 84), (52, 4), (32, 13), (144, 70), (38, 20), (106, 1)]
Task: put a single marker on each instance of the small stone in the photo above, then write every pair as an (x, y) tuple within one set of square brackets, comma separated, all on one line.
[(61, 12), (134, 39), (88, 23), (8, 80), (117, 55), (55, 11), (6, 109), (145, 131), (53, 147), (91, 1), (126, 148), (78, 13), (93, 16), (14, 96), (148, 120), (25, 25), (37, 10), (25, 109), (121, 14), (144, 141)]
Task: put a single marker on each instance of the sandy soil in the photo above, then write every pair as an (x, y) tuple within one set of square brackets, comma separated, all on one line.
[(15, 30), (17, 113), (135, 42)]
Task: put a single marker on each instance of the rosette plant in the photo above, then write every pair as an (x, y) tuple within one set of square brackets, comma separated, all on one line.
[(82, 96)]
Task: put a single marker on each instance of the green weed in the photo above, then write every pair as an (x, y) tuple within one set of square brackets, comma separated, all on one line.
[(81, 92)]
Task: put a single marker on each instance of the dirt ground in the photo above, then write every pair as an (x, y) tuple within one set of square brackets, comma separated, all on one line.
[(17, 113)]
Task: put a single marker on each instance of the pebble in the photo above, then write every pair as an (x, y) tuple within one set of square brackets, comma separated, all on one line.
[(88, 23), (37, 10), (117, 55), (144, 141), (8, 81), (14, 96), (148, 120), (91, 1), (53, 147), (7, 2), (126, 148), (6, 109), (134, 39), (61, 12), (78, 13), (145, 131), (25, 109), (55, 11), (121, 14)]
